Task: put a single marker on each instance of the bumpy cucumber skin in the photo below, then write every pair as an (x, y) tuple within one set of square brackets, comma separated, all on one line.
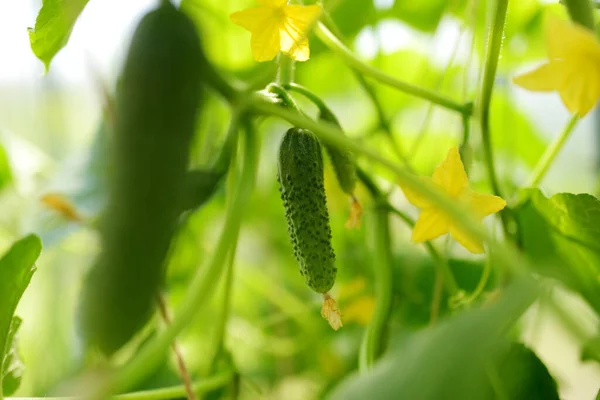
[(343, 160), (300, 175), (157, 101)]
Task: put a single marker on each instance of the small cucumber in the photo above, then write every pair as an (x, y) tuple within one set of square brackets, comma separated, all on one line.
[(156, 105), (300, 175), (342, 160)]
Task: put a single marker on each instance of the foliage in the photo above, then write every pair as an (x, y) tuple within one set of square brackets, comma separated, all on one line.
[(404, 82), (16, 269)]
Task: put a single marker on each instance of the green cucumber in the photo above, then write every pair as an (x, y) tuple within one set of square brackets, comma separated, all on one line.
[(156, 105), (300, 175), (342, 160)]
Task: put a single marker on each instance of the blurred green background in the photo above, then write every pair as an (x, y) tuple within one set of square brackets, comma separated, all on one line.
[(51, 138)]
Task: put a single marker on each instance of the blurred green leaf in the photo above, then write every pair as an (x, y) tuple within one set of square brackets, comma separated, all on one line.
[(424, 15), (414, 281), (561, 235), (514, 133), (53, 27), (348, 20), (591, 349), (16, 269), (5, 170), (524, 376), (12, 367), (450, 361)]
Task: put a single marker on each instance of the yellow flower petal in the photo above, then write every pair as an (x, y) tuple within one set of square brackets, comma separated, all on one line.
[(265, 42), (581, 92), (451, 175), (573, 69), (272, 3), (483, 205), (430, 225), (253, 19), (415, 198), (294, 31), (546, 78), (467, 241), (263, 23), (564, 38)]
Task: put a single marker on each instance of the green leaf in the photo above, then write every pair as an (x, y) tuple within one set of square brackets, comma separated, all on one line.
[(591, 349), (53, 27), (16, 269), (449, 361), (561, 234), (12, 367), (524, 376)]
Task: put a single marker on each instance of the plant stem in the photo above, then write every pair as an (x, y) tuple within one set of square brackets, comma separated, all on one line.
[(384, 123), (226, 308), (436, 297), (507, 255), (485, 275), (183, 371), (372, 345), (306, 92), (283, 94), (581, 11), (173, 392), (285, 73), (317, 101), (489, 76), (338, 47), (551, 152), (201, 286)]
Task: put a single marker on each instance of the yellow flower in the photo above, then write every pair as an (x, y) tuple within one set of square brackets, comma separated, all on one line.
[(451, 178), (275, 26), (573, 68)]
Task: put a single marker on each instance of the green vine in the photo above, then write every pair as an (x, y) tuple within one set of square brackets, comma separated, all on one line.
[(489, 77), (337, 47)]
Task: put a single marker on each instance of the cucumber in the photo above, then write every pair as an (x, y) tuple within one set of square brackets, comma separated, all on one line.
[(342, 160), (300, 175), (156, 104)]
